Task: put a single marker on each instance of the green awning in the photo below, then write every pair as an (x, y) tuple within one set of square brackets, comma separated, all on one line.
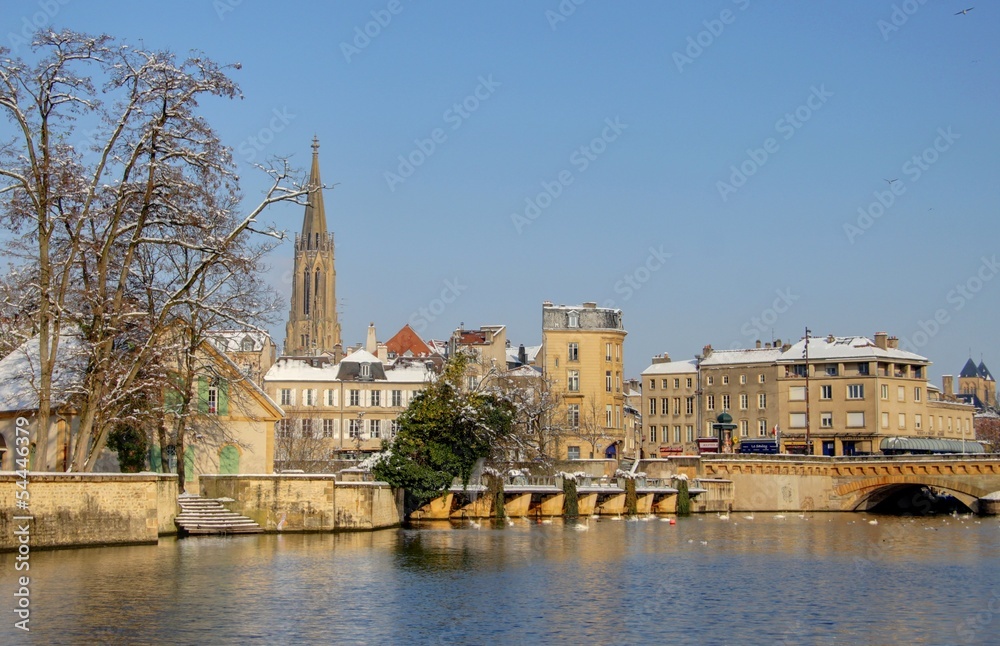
[(930, 445)]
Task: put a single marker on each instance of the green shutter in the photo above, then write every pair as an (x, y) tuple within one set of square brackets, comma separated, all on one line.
[(223, 397), (229, 460), (189, 463), (202, 395)]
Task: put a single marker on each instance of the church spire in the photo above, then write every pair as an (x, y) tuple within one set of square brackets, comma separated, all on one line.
[(314, 220)]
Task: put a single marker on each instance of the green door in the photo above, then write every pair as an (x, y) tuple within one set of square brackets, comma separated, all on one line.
[(229, 460), (189, 463)]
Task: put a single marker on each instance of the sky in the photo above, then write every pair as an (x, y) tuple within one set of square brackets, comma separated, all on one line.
[(719, 170)]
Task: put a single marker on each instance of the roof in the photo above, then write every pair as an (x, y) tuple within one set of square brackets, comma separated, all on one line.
[(401, 371), (232, 340), (984, 372), (931, 445), (748, 355), (530, 352), (20, 374), (839, 348), (407, 342), (671, 368), (314, 218), (361, 356), (970, 370)]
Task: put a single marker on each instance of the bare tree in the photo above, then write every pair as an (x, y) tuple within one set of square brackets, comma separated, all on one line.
[(155, 176), (298, 444), (539, 423), (593, 428)]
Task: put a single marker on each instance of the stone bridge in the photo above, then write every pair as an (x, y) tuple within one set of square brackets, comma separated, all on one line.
[(795, 483)]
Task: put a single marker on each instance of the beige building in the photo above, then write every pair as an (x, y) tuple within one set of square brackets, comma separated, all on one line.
[(842, 395), (488, 348), (339, 410), (581, 357)]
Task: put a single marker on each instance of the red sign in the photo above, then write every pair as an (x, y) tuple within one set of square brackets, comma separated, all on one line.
[(708, 445)]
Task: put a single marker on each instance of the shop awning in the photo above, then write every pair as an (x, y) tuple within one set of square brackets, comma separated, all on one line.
[(929, 445)]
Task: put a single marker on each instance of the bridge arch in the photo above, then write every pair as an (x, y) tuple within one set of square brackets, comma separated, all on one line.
[(864, 494)]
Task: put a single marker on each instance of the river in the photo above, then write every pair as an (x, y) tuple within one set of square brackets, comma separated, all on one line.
[(819, 579)]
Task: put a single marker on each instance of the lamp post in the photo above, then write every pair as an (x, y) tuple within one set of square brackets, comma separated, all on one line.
[(808, 445), (357, 437)]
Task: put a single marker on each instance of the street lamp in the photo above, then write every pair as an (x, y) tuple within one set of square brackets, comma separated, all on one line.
[(357, 437)]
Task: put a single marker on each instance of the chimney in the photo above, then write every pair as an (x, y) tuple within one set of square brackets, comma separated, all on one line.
[(758, 344), (947, 387), (383, 353), (661, 358), (522, 355), (546, 303), (892, 342), (777, 343), (371, 345), (881, 339), (829, 338), (706, 351), (590, 305), (785, 347)]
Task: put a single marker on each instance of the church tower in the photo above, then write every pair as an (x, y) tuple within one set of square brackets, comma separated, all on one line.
[(312, 327)]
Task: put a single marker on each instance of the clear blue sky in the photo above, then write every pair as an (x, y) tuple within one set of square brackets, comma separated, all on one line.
[(846, 95)]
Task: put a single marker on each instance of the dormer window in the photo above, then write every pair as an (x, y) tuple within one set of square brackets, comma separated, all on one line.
[(574, 319), (366, 371), (247, 345)]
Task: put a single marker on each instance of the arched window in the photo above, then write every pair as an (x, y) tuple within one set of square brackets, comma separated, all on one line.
[(574, 319), (247, 345), (305, 292)]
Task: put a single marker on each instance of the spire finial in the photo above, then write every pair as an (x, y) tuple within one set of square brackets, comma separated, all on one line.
[(315, 145)]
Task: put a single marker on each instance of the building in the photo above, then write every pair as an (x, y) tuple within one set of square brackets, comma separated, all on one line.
[(828, 395), (313, 328), (976, 386), (252, 350), (341, 409), (487, 347), (582, 360)]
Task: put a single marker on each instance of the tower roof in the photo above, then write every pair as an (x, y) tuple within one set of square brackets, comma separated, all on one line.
[(314, 220), (969, 370), (984, 372)]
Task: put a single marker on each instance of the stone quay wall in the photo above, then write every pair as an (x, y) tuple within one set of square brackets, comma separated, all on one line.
[(87, 509), (291, 502)]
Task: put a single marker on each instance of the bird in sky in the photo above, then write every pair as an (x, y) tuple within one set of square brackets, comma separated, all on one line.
[(890, 181), (964, 11)]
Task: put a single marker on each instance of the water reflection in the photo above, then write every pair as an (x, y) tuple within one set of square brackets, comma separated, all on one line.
[(814, 579)]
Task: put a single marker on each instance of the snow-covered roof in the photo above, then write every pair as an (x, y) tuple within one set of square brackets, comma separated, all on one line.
[(400, 371), (232, 340), (524, 371), (20, 374), (744, 356), (361, 356), (530, 352), (840, 348), (671, 368)]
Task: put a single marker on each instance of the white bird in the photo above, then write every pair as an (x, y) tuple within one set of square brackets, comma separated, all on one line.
[(964, 11), (474, 524), (750, 517), (721, 517), (582, 527), (780, 516), (595, 516), (547, 521), (704, 542), (873, 522), (510, 523)]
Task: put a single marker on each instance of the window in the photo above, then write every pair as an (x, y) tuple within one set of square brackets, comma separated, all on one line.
[(309, 397), (916, 394), (760, 378), (355, 397), (328, 428), (856, 420), (618, 382), (677, 434), (930, 423), (393, 429), (761, 427), (573, 452), (856, 391), (689, 382), (744, 427), (689, 405), (330, 401), (307, 428), (689, 432), (901, 393), (607, 381), (573, 352), (663, 384), (798, 370), (825, 392), (918, 372), (355, 428), (797, 393), (796, 420), (884, 391), (574, 319), (902, 420), (725, 402), (677, 383), (374, 429), (397, 398), (366, 371), (282, 428), (618, 416), (710, 381), (376, 398), (286, 396), (744, 401), (885, 420), (573, 415), (677, 405), (213, 400), (664, 406), (831, 370), (826, 420), (607, 352), (573, 381), (725, 380), (652, 434), (247, 345), (918, 421), (652, 406), (761, 401), (652, 384), (607, 416), (710, 402), (743, 380), (863, 369)]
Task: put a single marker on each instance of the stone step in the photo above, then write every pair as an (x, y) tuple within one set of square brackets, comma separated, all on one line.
[(203, 516)]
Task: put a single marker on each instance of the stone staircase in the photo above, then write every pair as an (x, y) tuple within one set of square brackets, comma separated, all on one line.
[(209, 516)]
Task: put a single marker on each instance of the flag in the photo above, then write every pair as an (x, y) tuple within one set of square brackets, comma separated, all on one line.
[(774, 431)]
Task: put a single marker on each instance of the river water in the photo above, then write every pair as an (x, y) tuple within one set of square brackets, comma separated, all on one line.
[(822, 579)]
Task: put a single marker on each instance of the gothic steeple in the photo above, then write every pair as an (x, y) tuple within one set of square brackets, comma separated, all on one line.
[(312, 327)]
